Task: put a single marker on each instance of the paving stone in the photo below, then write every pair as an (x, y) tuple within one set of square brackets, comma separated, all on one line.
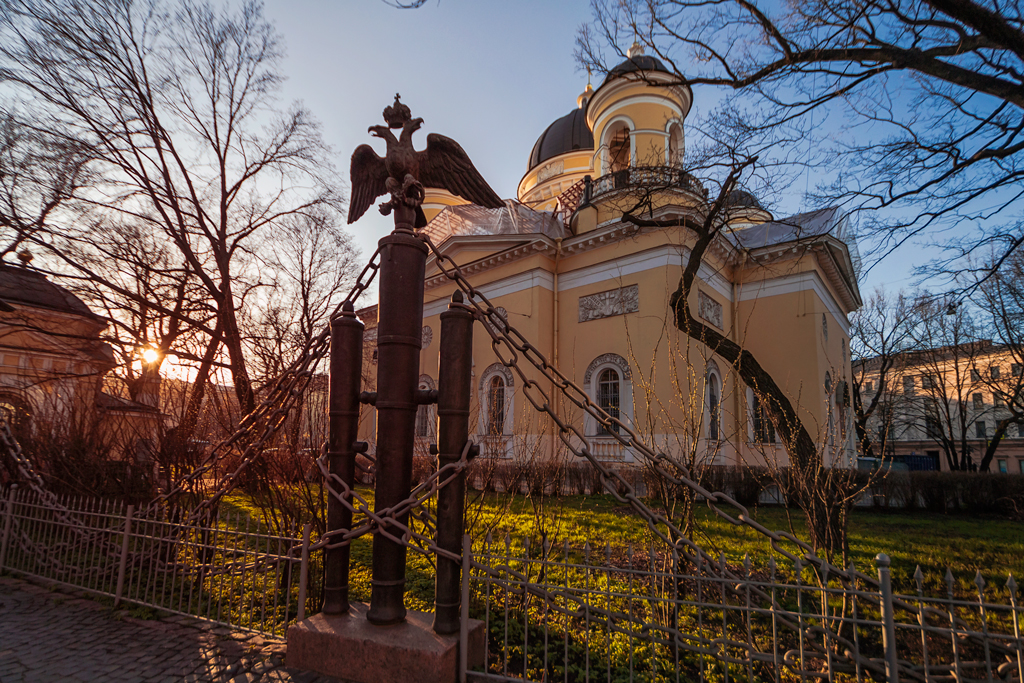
[(63, 636)]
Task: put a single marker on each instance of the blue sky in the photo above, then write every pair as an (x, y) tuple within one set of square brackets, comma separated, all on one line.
[(490, 74)]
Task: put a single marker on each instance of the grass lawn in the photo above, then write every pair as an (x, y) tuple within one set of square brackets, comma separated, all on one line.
[(966, 544)]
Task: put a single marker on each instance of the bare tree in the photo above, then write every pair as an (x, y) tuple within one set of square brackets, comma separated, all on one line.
[(932, 92), (176, 102), (39, 172), (880, 337)]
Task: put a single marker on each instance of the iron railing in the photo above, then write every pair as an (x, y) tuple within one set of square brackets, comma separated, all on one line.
[(223, 570), (632, 614)]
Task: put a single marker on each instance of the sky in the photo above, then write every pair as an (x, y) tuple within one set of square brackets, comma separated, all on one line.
[(492, 75)]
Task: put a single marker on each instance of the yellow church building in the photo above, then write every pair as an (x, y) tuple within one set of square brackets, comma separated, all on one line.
[(592, 292)]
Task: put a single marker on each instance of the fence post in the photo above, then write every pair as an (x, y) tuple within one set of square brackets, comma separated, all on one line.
[(888, 618), (467, 549), (304, 570), (8, 520), (124, 554), (454, 393)]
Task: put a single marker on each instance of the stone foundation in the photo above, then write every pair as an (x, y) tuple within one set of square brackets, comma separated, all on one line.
[(351, 648)]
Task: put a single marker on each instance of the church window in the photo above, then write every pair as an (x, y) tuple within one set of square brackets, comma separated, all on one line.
[(608, 397), (764, 430), (618, 150), (496, 406), (675, 145), (714, 408)]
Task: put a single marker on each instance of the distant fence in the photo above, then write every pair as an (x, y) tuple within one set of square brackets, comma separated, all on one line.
[(558, 613), (222, 570)]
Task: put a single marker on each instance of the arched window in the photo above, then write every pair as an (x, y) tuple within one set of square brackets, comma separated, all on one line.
[(763, 428), (496, 406), (714, 408), (829, 408), (675, 145), (607, 382), (608, 397), (619, 150)]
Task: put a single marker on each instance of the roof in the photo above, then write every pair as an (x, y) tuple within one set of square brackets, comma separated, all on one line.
[(512, 219), (635, 63), (564, 135), (19, 285), (802, 226)]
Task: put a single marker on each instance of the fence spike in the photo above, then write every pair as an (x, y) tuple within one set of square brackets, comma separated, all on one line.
[(526, 545), (772, 566), (608, 553), (721, 561), (746, 563), (489, 538), (949, 580), (1011, 585), (979, 581), (586, 550), (508, 542), (919, 578)]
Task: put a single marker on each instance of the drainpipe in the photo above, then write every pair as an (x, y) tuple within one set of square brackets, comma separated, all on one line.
[(554, 337), (741, 417)]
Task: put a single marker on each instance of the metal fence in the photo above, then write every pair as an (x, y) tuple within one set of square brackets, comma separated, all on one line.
[(224, 570), (558, 613)]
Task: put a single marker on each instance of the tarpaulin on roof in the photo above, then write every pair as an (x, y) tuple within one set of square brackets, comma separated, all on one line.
[(512, 219)]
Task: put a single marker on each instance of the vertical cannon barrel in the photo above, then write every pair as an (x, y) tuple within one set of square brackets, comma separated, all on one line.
[(399, 337), (343, 425), (454, 390)]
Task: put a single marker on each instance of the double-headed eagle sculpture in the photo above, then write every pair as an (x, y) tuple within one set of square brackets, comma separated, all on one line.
[(403, 172)]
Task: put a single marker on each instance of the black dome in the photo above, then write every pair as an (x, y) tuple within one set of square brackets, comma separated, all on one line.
[(742, 199), (564, 135), (636, 63)]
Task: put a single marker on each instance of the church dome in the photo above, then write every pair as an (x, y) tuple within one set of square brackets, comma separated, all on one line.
[(636, 62), (566, 134)]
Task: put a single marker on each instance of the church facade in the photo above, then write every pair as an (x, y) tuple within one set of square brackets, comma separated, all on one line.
[(592, 291)]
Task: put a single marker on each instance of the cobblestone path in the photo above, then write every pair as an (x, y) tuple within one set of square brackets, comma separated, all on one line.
[(55, 636)]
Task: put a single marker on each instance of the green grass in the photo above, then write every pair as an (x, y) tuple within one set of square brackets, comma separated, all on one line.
[(965, 544)]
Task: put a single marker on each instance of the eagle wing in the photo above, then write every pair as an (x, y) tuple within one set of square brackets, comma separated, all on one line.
[(446, 165), (369, 175)]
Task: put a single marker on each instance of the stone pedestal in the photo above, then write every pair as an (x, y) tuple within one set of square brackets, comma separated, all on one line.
[(350, 648)]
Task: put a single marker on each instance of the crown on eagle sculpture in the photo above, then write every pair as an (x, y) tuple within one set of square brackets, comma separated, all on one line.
[(397, 114), (403, 172)]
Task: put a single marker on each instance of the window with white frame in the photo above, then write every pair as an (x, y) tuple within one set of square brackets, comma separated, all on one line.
[(713, 402), (761, 425), (607, 382), (675, 144), (496, 399)]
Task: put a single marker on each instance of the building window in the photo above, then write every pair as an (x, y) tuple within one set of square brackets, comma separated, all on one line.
[(979, 429), (997, 400), (1015, 369), (868, 386), (1021, 463), (764, 429), (714, 408), (618, 150), (993, 372), (824, 326), (927, 382), (1002, 466), (496, 406), (675, 145), (975, 375), (932, 425), (908, 385), (608, 385), (979, 402)]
